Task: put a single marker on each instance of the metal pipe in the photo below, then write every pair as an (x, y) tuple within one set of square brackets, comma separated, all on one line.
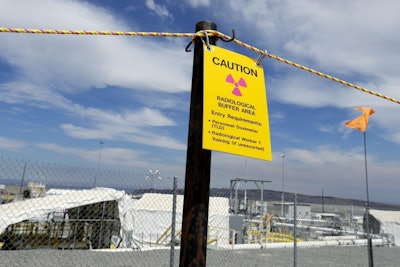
[(172, 251), (295, 232)]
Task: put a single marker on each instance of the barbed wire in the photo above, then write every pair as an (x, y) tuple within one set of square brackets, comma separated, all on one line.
[(200, 34)]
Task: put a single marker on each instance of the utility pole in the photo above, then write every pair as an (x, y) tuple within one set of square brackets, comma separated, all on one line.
[(283, 183), (98, 164), (198, 165), (22, 180)]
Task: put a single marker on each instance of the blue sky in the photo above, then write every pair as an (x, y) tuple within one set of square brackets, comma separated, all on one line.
[(60, 95)]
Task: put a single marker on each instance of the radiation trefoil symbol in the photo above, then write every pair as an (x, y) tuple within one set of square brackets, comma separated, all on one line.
[(236, 91)]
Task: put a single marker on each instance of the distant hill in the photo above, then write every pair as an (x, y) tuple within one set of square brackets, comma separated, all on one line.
[(252, 194), (276, 196)]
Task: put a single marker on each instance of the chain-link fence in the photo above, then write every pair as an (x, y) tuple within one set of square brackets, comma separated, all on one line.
[(53, 214)]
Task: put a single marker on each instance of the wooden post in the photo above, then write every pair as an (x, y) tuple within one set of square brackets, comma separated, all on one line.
[(198, 165)]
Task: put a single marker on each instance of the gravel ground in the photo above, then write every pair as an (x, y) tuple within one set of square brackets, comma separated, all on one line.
[(323, 256)]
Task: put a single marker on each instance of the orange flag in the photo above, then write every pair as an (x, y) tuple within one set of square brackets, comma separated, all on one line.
[(361, 122)]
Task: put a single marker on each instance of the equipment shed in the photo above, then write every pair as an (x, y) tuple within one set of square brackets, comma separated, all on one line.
[(389, 223), (152, 220), (62, 219)]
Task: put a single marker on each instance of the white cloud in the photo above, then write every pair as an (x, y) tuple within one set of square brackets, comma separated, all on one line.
[(160, 10), (117, 156), (356, 41), (11, 144), (277, 116), (127, 134), (326, 128), (125, 125), (198, 3), (348, 40), (50, 67), (74, 63)]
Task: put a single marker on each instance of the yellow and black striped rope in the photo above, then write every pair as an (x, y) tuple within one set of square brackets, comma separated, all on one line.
[(193, 35), (81, 32)]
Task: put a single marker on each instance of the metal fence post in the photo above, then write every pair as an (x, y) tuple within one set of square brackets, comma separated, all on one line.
[(295, 232), (172, 252)]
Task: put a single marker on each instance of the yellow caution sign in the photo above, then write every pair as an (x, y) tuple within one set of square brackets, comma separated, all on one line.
[(235, 118)]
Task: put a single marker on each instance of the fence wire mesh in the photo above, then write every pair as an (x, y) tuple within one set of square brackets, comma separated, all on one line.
[(53, 214)]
